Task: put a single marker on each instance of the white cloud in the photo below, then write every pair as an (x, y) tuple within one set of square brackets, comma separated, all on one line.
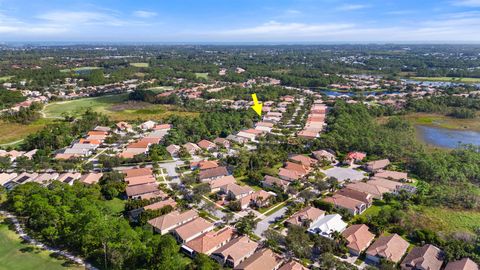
[(144, 14), (62, 17), (277, 28), (466, 3), (10, 25), (351, 7)]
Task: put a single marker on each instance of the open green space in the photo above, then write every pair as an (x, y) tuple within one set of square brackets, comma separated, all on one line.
[(202, 75), (446, 220), (117, 107), (5, 78), (139, 65), (13, 133), (79, 69), (442, 121), (116, 205), (447, 79), (160, 89), (14, 254)]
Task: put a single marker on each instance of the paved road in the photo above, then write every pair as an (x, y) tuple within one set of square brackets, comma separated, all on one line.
[(170, 168), (265, 223)]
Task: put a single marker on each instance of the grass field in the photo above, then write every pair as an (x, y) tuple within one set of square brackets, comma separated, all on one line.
[(446, 220), (5, 78), (13, 132), (442, 121), (447, 79), (139, 65), (116, 205), (115, 107), (79, 69), (202, 75), (19, 256)]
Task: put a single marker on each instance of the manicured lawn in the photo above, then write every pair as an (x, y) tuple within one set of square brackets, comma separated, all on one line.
[(139, 65), (447, 79), (10, 138), (16, 255), (202, 75), (115, 107), (273, 209), (116, 205)]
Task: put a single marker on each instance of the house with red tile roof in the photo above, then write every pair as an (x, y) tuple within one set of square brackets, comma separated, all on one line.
[(358, 237), (166, 223), (259, 198), (426, 257), (208, 242), (235, 251), (308, 215), (304, 160), (388, 247), (353, 206), (463, 264), (211, 174), (264, 259), (216, 184), (207, 145), (222, 142), (192, 229), (293, 265)]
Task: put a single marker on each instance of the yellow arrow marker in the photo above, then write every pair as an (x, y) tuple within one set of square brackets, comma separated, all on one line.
[(257, 107)]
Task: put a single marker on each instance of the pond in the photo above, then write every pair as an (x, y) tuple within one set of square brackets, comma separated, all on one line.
[(352, 93), (448, 138)]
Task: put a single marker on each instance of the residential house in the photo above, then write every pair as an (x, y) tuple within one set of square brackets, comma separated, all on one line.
[(160, 204), (207, 145), (392, 186), (144, 191), (392, 175), (173, 150), (247, 135), (168, 222), (364, 197), (358, 237), (374, 166), (208, 242), (264, 259), (91, 178), (191, 148), (304, 160), (211, 174), (289, 175), (388, 247), (203, 164), (427, 257), (69, 178), (222, 142), (124, 126), (463, 264), (353, 206), (216, 184), (192, 229), (274, 182), (355, 157), (307, 216), (235, 251), (327, 225), (6, 177), (324, 155), (259, 198), (147, 125), (237, 139), (235, 191), (376, 191), (293, 265)]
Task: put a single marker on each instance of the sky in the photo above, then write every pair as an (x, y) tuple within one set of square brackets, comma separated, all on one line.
[(277, 21)]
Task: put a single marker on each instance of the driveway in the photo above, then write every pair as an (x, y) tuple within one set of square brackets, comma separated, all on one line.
[(265, 223), (170, 168), (343, 174)]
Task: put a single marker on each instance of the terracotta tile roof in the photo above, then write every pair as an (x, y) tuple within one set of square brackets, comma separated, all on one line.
[(275, 181), (141, 189), (301, 169), (356, 155), (385, 183), (95, 133), (390, 247), (391, 175), (293, 265), (91, 178), (427, 257), (161, 204), (206, 144), (308, 213), (210, 241), (358, 237), (264, 259), (463, 264), (357, 195), (236, 189), (376, 191), (193, 227), (222, 181), (204, 164), (140, 180), (304, 160), (344, 202), (213, 173), (289, 174), (172, 219), (377, 164), (238, 249), (137, 172)]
